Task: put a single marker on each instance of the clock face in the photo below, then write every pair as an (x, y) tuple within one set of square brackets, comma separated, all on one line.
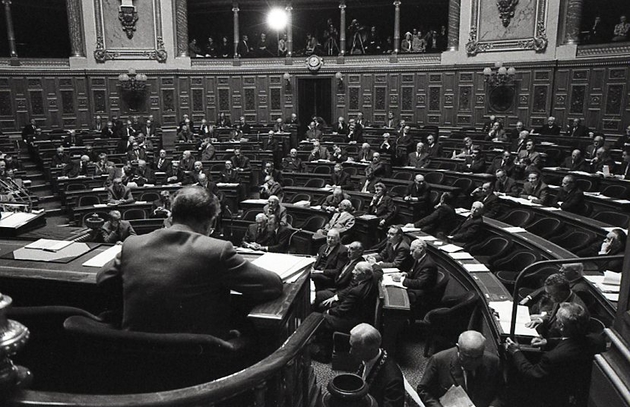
[(314, 63)]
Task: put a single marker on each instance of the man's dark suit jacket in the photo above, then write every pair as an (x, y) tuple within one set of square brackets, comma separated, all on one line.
[(342, 180), (444, 370), (572, 201), (293, 165), (579, 165), (176, 280), (58, 160), (240, 162), (540, 191), (278, 241), (332, 263), (383, 209), (340, 128), (75, 168), (131, 155), (547, 130), (435, 150), (418, 161), (253, 236), (399, 257), (165, 167), (468, 230), (421, 279), (423, 193), (442, 220), (508, 187), (578, 131), (355, 307), (562, 375), (144, 177), (114, 194), (386, 383)]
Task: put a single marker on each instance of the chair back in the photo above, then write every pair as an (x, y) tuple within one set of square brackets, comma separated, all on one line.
[(545, 227), (76, 186), (516, 261), (87, 200), (314, 223), (584, 184), (315, 183), (434, 177), (616, 191), (398, 190), (288, 182), (300, 197), (350, 170), (518, 217), (134, 213), (405, 176), (575, 240), (322, 169), (619, 219), (150, 196), (465, 185)]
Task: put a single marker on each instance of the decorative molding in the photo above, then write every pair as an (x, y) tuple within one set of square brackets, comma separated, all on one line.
[(181, 27), (537, 43), (586, 51), (102, 54), (128, 17), (75, 27), (506, 10)]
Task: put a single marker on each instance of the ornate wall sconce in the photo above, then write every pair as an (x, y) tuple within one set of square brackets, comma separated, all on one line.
[(131, 81), (287, 81), (501, 77), (128, 17), (506, 10), (339, 77)]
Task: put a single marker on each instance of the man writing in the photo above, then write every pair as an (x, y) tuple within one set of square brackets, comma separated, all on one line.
[(179, 279)]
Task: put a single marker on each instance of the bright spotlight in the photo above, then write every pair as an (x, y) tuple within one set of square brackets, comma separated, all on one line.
[(277, 19)]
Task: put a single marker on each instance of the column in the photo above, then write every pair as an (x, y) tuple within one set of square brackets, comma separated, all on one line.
[(453, 24), (572, 22), (342, 28), (396, 44), (10, 32), (289, 11), (181, 19), (75, 27), (235, 10)]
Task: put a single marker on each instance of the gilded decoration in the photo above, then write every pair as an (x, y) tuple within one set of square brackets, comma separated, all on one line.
[(536, 41), (506, 10)]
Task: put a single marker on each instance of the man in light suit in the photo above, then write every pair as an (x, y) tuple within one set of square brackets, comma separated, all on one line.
[(326, 298), (467, 365), (178, 280), (342, 221), (255, 233), (419, 158), (331, 257)]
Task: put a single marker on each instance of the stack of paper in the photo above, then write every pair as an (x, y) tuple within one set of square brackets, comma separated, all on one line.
[(284, 265), (389, 282), (504, 311), (451, 248), (461, 256), (102, 259), (49, 245), (514, 229)]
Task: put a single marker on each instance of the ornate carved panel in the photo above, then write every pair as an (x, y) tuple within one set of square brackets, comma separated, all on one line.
[(21, 104), (540, 99), (65, 82), (580, 75), (393, 99), (613, 99), (541, 75), (262, 100), (380, 79), (288, 100), (464, 98), (224, 99), (275, 80), (612, 125), (197, 100), (68, 123), (196, 81), (379, 118), (380, 95), (354, 78), (276, 95), (98, 81), (561, 100), (167, 81), (617, 74), (422, 100), (37, 102), (354, 98), (448, 100), (224, 80), (100, 104), (168, 100), (407, 78), (67, 102), (367, 100), (435, 78), (249, 80), (341, 99), (5, 104), (464, 119), (466, 77), (577, 99), (523, 100), (33, 83), (407, 98), (250, 99), (433, 119), (4, 83), (434, 98), (595, 100), (236, 100)]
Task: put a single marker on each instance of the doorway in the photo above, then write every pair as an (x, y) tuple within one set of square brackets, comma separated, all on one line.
[(314, 98)]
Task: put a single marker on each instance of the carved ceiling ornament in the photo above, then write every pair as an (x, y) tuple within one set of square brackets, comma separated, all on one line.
[(538, 42), (506, 10), (128, 17)]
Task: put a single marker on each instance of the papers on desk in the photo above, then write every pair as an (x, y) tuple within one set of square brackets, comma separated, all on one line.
[(98, 189), (584, 173), (550, 208), (621, 201), (387, 281), (103, 258), (100, 205), (611, 278), (390, 270), (412, 229), (514, 229), (368, 217), (141, 202), (247, 250), (475, 267), (451, 248), (462, 211), (284, 265), (255, 201), (227, 184), (551, 168), (553, 186), (504, 311), (304, 204), (49, 245), (456, 397), (428, 238), (317, 207), (328, 188), (461, 256), (16, 219)]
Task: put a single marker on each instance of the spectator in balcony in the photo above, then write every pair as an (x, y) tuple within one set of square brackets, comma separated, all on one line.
[(293, 163), (570, 198), (620, 33), (420, 158), (116, 230), (263, 49), (225, 48), (319, 152), (373, 42), (406, 43), (60, 159), (211, 49), (194, 50), (549, 129), (595, 34), (577, 129), (283, 47), (418, 43), (244, 50)]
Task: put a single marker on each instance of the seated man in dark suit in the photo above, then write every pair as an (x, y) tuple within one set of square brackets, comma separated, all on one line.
[(601, 161), (469, 231), (535, 189), (162, 164), (136, 154), (623, 172), (381, 373), (332, 201), (255, 233), (485, 195), (293, 163), (77, 167), (240, 162), (395, 253), (318, 152), (575, 162), (161, 207), (387, 146), (178, 280), (419, 194), (570, 198), (467, 365), (505, 185), (277, 237), (331, 257), (327, 297), (367, 184), (422, 276), (60, 159), (116, 230), (117, 193), (382, 205), (340, 178), (419, 158), (562, 376), (577, 129), (614, 243), (433, 147), (503, 162), (443, 219), (176, 174), (271, 170), (270, 188), (549, 129), (143, 175)]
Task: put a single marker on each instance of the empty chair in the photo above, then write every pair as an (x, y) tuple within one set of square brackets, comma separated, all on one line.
[(88, 200), (217, 167), (444, 324), (445, 165), (587, 209), (434, 177), (322, 169), (76, 186), (134, 213), (150, 196), (574, 241), (545, 227), (491, 249), (300, 197), (616, 191), (405, 176), (465, 185), (289, 219), (357, 203), (552, 157), (251, 214), (315, 183), (350, 170), (434, 197), (398, 190), (517, 217), (513, 263), (584, 184), (314, 223), (287, 182), (619, 219)]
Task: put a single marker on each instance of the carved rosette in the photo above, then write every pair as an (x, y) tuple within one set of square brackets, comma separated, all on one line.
[(160, 53), (506, 10), (101, 54)]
